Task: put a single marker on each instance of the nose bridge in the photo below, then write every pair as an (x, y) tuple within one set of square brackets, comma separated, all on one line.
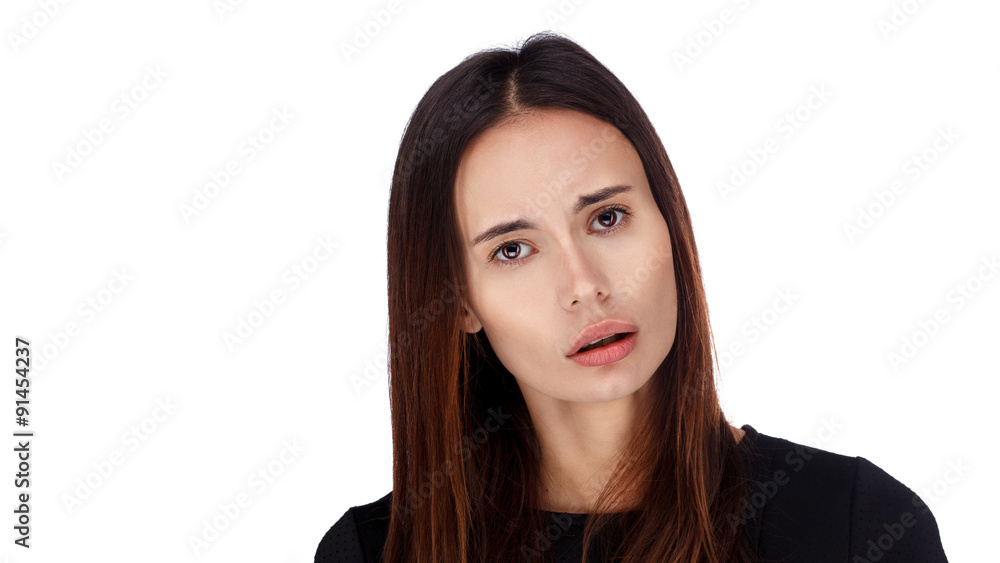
[(582, 275)]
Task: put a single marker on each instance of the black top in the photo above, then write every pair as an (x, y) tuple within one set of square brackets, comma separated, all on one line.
[(805, 505)]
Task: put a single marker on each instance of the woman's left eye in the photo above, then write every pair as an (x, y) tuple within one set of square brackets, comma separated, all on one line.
[(605, 216)]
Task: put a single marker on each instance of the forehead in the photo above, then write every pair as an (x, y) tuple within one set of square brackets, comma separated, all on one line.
[(538, 163)]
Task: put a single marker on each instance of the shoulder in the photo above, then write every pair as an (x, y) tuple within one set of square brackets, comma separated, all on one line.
[(812, 501), (890, 521), (358, 536), (800, 495)]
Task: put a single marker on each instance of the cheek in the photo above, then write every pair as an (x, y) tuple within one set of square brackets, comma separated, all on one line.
[(518, 332), (657, 288), (520, 354), (667, 287), (651, 276)]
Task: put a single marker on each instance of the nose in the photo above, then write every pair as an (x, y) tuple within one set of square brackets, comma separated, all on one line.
[(584, 278)]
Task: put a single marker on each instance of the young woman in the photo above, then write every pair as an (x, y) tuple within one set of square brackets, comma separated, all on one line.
[(551, 372)]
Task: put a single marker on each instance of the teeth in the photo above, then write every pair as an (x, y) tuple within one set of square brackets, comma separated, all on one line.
[(601, 342)]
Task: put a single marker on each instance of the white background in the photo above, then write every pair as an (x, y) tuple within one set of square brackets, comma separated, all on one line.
[(824, 362)]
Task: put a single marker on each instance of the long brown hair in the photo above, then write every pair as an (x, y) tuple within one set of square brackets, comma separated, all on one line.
[(466, 457)]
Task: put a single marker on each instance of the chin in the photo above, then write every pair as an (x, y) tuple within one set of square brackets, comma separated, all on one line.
[(613, 390)]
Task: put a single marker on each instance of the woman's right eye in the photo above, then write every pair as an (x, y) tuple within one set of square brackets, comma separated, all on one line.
[(502, 250)]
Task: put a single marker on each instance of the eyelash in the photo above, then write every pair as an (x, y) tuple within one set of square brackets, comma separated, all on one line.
[(622, 223)]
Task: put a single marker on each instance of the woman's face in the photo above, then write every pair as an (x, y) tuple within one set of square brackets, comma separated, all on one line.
[(578, 259)]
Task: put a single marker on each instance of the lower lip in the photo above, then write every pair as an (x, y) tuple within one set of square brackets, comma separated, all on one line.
[(606, 354)]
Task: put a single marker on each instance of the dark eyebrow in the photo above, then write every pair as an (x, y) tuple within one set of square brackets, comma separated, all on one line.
[(518, 224)]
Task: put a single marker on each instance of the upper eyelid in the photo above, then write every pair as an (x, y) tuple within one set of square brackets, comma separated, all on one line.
[(623, 209)]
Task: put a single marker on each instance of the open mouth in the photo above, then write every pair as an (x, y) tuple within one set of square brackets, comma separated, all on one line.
[(603, 342)]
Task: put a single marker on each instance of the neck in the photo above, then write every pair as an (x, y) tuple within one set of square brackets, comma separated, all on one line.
[(580, 444)]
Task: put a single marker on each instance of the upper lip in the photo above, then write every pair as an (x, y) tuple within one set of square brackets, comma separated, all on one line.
[(599, 330)]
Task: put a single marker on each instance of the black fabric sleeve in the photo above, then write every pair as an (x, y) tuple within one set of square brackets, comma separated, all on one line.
[(341, 543), (889, 522), (359, 536)]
